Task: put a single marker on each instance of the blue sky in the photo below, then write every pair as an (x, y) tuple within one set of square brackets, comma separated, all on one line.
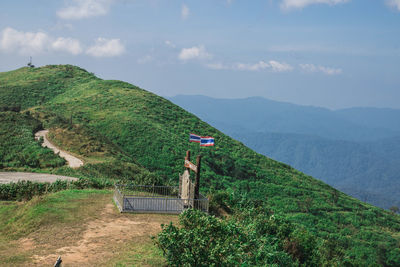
[(330, 53)]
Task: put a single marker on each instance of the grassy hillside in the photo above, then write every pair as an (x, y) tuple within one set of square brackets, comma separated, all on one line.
[(150, 132), (19, 151), (18, 148)]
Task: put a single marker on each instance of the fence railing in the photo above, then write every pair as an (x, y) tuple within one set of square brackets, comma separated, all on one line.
[(149, 190), (155, 199)]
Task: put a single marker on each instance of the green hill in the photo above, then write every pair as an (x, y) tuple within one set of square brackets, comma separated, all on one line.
[(124, 127)]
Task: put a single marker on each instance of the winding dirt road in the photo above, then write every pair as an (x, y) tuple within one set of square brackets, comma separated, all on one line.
[(73, 162)]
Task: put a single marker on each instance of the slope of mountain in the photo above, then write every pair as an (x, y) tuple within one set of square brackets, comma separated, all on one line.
[(319, 224)]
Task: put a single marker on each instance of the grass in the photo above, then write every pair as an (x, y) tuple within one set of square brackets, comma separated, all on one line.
[(19, 219), (81, 142), (138, 253)]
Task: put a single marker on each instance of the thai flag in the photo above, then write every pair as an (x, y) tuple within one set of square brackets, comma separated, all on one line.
[(194, 138), (207, 141)]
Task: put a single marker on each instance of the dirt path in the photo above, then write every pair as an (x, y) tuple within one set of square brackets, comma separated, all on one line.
[(73, 162), (12, 177), (103, 238)]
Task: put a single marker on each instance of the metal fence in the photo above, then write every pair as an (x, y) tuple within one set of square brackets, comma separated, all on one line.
[(149, 191), (155, 199)]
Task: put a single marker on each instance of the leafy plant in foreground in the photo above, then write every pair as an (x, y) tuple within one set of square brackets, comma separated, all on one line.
[(205, 240)]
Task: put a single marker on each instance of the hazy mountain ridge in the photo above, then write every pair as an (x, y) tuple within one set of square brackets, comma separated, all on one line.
[(258, 114)]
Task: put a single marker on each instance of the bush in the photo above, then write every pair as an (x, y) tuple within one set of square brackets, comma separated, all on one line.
[(205, 240), (26, 190)]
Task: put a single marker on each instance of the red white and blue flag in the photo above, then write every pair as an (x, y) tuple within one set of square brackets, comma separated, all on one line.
[(203, 140), (194, 138), (207, 141)]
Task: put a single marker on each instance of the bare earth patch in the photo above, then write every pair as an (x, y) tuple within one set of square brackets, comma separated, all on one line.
[(104, 238), (13, 177)]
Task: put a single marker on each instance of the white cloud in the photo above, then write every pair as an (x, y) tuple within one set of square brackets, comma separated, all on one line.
[(195, 52), (280, 67), (261, 65), (80, 9), (170, 44), (272, 65), (321, 69), (252, 67), (106, 48), (394, 3), (69, 45), (30, 43), (185, 11), (298, 4), (23, 42)]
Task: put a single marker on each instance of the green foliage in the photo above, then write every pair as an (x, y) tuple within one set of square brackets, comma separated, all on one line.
[(207, 241), (18, 146), (115, 170), (26, 190)]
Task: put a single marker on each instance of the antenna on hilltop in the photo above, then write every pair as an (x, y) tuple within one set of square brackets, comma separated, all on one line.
[(30, 63)]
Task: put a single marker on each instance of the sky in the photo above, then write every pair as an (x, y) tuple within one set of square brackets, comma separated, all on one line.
[(328, 53)]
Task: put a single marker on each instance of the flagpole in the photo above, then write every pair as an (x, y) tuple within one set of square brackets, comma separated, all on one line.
[(197, 183)]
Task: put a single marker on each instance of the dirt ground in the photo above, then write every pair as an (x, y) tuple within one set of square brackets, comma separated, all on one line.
[(10, 177), (97, 242)]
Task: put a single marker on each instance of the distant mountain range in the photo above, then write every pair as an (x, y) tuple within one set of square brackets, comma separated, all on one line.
[(356, 150)]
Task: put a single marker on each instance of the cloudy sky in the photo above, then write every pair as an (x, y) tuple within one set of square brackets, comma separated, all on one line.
[(330, 53)]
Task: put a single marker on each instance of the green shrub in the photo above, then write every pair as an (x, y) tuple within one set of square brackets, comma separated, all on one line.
[(25, 190), (204, 240)]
